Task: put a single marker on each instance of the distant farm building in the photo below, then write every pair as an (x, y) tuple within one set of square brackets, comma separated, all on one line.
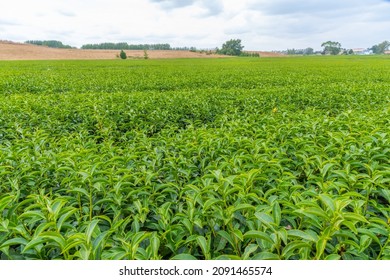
[(362, 51)]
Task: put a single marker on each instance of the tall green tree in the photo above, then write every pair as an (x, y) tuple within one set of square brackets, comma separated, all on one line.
[(331, 47), (231, 47), (308, 51), (381, 48)]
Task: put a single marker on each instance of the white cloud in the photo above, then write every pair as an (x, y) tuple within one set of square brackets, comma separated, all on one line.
[(261, 24)]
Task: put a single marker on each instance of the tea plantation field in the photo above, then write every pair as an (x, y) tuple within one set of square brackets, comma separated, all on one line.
[(266, 158)]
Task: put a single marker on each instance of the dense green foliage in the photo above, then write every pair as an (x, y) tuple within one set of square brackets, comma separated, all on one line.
[(126, 46), (122, 55), (331, 47), (231, 47), (381, 48), (307, 51), (49, 43), (241, 158), (250, 54)]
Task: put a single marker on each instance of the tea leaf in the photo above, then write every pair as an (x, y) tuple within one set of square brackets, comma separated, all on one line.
[(204, 246), (320, 246), (301, 234), (328, 202), (254, 234), (183, 257)]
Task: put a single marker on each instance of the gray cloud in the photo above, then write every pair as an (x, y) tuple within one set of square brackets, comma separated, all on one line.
[(211, 8), (288, 7), (66, 13), (173, 4), (237, 30)]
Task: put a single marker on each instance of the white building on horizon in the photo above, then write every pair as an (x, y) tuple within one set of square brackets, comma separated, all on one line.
[(362, 51)]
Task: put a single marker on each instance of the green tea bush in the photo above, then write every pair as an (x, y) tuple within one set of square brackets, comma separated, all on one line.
[(282, 158)]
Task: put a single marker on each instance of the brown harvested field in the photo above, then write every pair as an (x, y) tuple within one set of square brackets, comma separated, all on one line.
[(267, 54), (19, 51)]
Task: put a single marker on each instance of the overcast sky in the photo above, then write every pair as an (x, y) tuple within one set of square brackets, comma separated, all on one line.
[(260, 24)]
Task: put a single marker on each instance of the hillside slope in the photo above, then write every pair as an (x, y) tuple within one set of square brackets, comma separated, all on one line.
[(18, 51)]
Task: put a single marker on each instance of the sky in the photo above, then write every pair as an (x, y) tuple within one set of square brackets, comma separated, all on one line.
[(260, 24)]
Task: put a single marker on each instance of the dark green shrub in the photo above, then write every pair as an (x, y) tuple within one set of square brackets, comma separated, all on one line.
[(123, 55)]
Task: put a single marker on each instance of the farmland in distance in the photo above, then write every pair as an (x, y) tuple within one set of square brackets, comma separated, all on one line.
[(231, 158)]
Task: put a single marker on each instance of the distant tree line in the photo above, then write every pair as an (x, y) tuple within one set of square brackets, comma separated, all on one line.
[(232, 47), (334, 48), (249, 54), (307, 51), (126, 46), (49, 43), (193, 49)]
